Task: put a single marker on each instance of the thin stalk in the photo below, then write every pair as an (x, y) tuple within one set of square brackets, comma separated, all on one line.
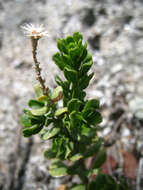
[(37, 65)]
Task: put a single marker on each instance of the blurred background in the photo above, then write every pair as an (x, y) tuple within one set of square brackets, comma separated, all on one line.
[(114, 32)]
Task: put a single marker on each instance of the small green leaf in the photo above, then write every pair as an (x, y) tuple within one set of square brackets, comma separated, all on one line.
[(71, 45), (66, 59), (84, 82), (61, 45), (58, 169), (48, 154), (74, 104), (28, 131), (101, 183), (99, 160), (82, 95), (70, 75), (50, 133), (25, 121), (58, 61), (60, 111), (57, 94), (38, 90), (93, 149), (58, 172), (77, 36), (74, 53), (43, 99), (94, 118), (34, 104), (80, 117), (48, 121), (31, 116), (79, 187), (85, 67), (76, 157), (68, 151), (38, 112), (87, 58), (66, 86), (91, 104), (58, 80), (83, 53), (85, 130), (69, 39)]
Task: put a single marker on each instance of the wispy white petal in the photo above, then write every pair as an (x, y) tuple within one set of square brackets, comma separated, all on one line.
[(35, 31)]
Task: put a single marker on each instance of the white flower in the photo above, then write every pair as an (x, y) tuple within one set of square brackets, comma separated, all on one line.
[(35, 31)]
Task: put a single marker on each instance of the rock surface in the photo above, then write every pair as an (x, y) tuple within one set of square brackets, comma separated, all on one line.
[(114, 30)]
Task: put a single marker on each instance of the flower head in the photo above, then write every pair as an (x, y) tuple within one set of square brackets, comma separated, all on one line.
[(35, 31)]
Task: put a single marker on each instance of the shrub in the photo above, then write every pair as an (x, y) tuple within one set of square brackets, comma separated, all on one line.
[(71, 128)]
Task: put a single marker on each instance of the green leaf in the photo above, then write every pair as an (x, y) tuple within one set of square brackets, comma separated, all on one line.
[(60, 111), (98, 183), (94, 118), (57, 94), (66, 86), (43, 99), (76, 157), (58, 169), (58, 172), (99, 160), (91, 104), (66, 59), (85, 67), (101, 183), (58, 61), (73, 118), (38, 90), (88, 134), (88, 58), (25, 121), (39, 112), (80, 117), (85, 130), (93, 149), (83, 53), (28, 131), (71, 45), (34, 104), (68, 149), (79, 187), (77, 36), (61, 45), (74, 104), (74, 53), (84, 82), (31, 116), (82, 95), (48, 121), (69, 39), (48, 154), (50, 133), (58, 80), (70, 75), (90, 108)]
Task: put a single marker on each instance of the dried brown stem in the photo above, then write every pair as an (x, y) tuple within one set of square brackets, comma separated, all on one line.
[(37, 65)]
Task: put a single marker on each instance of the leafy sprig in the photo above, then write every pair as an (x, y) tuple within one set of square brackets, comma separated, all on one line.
[(71, 128)]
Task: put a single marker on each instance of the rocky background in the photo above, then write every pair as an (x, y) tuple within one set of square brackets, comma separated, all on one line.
[(114, 31)]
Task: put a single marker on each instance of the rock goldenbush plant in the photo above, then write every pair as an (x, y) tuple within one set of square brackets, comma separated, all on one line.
[(71, 127)]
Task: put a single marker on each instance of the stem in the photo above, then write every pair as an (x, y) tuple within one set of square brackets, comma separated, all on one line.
[(82, 172), (37, 65)]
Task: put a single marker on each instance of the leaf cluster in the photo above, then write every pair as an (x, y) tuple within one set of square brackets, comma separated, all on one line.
[(72, 127)]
